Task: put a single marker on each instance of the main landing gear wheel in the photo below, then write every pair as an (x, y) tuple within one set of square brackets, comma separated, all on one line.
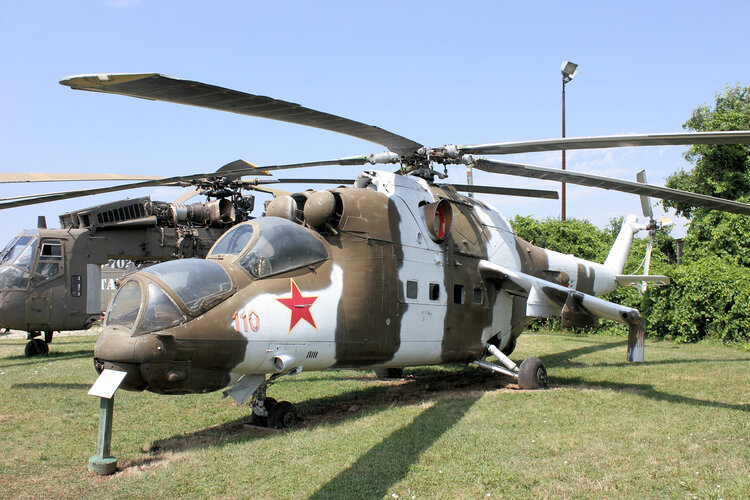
[(384, 373), (282, 415), (532, 374), (260, 421), (36, 347)]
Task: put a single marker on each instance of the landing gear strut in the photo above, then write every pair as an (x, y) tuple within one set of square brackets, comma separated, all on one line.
[(530, 375), (267, 412), (35, 346)]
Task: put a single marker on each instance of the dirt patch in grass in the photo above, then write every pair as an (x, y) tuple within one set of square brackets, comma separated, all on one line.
[(139, 466), (8, 418), (200, 439), (594, 387)]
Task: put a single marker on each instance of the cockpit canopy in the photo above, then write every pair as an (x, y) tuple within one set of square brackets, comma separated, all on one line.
[(164, 295), (268, 246)]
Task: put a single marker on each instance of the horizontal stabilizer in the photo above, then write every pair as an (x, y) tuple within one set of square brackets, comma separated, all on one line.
[(632, 279)]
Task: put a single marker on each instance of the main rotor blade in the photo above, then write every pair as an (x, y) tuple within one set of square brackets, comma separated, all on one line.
[(235, 169), (187, 195), (609, 141), (65, 195), (699, 200), (241, 165), (470, 188), (264, 182), (529, 193), (158, 87), (11, 177)]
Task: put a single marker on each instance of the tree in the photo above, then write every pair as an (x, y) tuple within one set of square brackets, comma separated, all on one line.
[(721, 170), (718, 170)]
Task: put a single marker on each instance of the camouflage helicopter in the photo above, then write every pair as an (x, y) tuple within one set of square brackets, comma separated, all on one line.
[(50, 277), (396, 271)]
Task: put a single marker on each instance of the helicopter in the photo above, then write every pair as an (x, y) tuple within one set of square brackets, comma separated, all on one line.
[(397, 270), (50, 277)]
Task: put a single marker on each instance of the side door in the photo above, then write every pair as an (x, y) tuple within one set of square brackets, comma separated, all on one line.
[(46, 278)]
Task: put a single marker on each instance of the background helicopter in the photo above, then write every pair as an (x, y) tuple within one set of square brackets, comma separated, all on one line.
[(50, 278), (405, 271)]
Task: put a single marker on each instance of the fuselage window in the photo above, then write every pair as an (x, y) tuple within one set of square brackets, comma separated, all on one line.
[(50, 261), (477, 295), (412, 289), (459, 296), (75, 285), (434, 291)]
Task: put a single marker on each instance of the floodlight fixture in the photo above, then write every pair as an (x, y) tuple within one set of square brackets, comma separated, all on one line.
[(569, 70)]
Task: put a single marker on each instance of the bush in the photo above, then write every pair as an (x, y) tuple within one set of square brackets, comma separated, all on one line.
[(708, 298)]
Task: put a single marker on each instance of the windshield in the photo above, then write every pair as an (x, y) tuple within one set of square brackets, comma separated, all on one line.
[(280, 246), (20, 251), (234, 241), (161, 311), (15, 262), (12, 278), (192, 280), (125, 306)]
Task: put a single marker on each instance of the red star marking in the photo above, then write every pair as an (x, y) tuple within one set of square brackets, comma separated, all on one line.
[(300, 307)]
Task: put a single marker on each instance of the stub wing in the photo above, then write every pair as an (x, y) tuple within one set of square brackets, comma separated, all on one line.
[(547, 299)]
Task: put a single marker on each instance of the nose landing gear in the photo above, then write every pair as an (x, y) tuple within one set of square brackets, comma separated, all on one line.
[(267, 412), (35, 346)]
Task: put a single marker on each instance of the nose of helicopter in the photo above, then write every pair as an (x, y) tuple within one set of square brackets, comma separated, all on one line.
[(156, 362), (117, 350), (13, 310)]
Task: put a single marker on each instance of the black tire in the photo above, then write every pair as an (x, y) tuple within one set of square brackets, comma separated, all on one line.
[(48, 336), (510, 346), (282, 415), (258, 420), (532, 374), (385, 373), (36, 347), (269, 404)]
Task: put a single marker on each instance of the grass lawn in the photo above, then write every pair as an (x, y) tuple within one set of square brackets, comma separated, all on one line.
[(676, 426)]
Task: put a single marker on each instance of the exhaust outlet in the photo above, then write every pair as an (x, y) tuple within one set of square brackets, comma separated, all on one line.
[(283, 362)]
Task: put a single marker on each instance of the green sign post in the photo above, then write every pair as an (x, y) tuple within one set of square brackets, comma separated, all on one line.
[(105, 386)]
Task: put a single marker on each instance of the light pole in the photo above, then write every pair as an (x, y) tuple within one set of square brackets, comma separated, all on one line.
[(568, 70)]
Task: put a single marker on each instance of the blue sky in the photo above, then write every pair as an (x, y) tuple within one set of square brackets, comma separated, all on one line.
[(436, 72)]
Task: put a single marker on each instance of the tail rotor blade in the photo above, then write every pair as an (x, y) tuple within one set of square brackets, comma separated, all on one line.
[(645, 200)]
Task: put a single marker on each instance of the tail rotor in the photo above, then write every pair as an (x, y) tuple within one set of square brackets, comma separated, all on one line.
[(652, 226)]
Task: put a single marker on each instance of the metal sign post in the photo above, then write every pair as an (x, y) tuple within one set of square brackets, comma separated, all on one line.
[(105, 386)]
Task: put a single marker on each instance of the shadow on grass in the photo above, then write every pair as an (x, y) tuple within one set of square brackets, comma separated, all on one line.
[(464, 385), (50, 385), (52, 356), (565, 357), (674, 362), (389, 461), (649, 392)]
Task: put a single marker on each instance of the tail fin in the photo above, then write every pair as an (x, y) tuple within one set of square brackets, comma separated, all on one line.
[(619, 253)]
